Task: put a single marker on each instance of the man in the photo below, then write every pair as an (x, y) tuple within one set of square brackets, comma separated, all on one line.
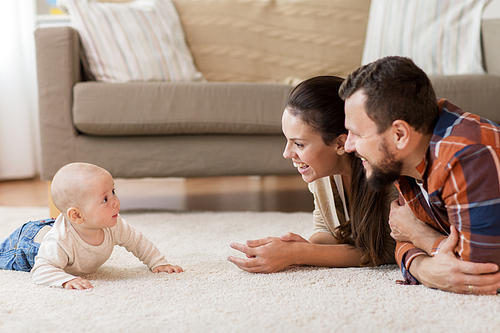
[(446, 165)]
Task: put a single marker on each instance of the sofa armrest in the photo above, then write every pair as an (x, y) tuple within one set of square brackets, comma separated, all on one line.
[(58, 70)]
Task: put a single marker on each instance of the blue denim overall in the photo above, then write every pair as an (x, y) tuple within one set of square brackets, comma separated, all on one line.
[(18, 251)]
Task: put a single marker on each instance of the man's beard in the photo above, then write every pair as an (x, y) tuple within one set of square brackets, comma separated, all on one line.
[(387, 173)]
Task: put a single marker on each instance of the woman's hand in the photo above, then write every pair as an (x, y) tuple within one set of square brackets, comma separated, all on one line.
[(406, 227), (267, 255), (291, 237)]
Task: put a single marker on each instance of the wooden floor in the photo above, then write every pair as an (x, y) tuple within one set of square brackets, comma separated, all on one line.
[(269, 193)]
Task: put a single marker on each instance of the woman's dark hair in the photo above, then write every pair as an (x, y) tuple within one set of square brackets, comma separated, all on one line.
[(316, 102), (367, 226)]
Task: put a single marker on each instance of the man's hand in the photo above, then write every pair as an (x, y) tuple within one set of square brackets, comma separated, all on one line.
[(168, 269), (406, 227), (77, 283), (446, 272)]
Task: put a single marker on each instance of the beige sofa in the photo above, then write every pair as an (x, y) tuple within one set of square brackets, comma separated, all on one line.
[(248, 51)]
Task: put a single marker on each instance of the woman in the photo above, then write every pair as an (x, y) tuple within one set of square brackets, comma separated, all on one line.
[(350, 218)]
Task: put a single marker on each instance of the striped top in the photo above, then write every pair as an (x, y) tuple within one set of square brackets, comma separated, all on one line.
[(461, 174)]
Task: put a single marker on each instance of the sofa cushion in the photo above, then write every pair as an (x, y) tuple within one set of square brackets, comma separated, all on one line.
[(442, 37), (491, 41), (162, 108), (266, 40), (142, 40)]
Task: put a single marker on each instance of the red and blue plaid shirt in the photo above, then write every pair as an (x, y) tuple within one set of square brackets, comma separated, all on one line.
[(461, 174)]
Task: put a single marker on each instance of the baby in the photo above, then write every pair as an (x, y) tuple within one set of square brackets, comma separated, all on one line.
[(82, 238)]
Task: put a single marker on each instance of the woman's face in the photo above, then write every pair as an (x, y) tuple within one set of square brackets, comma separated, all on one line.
[(309, 154)]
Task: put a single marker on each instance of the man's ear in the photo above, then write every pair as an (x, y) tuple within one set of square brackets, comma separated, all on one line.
[(340, 144), (74, 214), (401, 131)]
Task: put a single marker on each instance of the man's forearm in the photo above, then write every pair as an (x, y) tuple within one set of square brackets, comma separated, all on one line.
[(417, 269), (425, 237)]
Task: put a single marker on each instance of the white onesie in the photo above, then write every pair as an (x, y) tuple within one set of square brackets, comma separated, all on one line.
[(63, 255)]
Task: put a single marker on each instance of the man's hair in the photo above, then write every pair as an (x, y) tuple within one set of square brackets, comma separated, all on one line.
[(69, 184), (395, 88)]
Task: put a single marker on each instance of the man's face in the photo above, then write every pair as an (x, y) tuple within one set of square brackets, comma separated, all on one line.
[(387, 171), (375, 150)]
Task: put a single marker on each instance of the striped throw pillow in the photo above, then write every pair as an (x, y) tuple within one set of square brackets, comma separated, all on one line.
[(141, 40), (443, 37)]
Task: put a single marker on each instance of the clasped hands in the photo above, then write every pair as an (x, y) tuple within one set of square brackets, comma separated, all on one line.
[(267, 255), (444, 270)]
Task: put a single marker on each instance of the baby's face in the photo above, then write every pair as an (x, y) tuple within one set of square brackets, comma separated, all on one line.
[(101, 206)]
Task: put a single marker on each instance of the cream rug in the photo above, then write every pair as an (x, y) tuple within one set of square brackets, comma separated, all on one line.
[(213, 295)]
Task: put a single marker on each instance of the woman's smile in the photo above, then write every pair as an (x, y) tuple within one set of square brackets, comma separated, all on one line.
[(301, 166)]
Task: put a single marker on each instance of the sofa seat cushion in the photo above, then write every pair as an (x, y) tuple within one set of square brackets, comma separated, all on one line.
[(168, 108)]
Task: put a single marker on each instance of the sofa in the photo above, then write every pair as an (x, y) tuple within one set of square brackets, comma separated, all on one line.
[(250, 53)]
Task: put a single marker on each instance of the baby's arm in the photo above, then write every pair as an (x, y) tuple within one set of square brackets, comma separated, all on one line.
[(47, 273), (144, 249), (77, 283), (49, 265), (168, 268)]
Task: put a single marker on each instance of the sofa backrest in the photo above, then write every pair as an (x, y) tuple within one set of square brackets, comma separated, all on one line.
[(278, 40)]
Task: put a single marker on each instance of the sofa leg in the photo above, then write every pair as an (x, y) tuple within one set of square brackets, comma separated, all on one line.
[(54, 212)]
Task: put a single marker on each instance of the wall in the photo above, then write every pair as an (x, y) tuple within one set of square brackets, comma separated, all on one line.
[(492, 10)]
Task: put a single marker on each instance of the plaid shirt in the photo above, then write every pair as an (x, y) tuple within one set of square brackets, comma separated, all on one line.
[(461, 174)]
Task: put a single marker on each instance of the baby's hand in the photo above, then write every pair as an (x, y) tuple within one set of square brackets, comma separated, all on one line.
[(168, 268), (77, 283)]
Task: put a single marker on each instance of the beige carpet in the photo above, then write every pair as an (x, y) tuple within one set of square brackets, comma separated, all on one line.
[(213, 295)]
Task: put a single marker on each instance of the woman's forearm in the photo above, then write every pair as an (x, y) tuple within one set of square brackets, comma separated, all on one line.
[(331, 255), (322, 238), (272, 254)]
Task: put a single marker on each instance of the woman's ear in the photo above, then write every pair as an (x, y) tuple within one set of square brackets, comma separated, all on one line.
[(401, 133), (340, 144), (74, 214)]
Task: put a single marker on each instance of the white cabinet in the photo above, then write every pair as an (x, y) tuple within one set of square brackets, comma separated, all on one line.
[(47, 14)]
